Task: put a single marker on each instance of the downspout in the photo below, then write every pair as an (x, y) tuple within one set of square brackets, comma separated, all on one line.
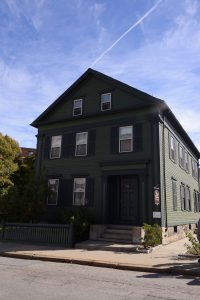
[(162, 118)]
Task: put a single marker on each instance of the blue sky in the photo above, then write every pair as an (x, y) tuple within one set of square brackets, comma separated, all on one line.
[(45, 45)]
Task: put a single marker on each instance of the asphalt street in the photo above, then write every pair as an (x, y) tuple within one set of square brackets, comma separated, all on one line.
[(26, 279)]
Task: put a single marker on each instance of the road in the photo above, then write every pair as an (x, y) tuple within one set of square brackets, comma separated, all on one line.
[(27, 280)]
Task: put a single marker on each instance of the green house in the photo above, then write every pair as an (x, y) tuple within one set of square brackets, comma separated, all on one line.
[(121, 155)]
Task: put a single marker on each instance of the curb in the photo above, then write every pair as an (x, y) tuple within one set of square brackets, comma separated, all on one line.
[(105, 264)]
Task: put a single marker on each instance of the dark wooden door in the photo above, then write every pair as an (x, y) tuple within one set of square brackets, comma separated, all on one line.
[(123, 199)]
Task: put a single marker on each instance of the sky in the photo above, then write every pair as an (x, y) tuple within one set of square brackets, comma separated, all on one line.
[(45, 45)]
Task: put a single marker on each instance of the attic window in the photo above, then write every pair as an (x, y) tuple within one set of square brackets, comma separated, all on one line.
[(77, 109), (105, 101)]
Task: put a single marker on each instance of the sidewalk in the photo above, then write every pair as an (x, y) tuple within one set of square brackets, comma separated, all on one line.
[(162, 260)]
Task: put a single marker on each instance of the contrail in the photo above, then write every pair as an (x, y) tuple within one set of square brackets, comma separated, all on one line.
[(126, 32)]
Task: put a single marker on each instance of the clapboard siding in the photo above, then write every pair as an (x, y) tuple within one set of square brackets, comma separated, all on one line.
[(174, 170)]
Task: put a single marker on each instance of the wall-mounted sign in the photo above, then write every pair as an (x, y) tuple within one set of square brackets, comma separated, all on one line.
[(156, 196), (156, 214)]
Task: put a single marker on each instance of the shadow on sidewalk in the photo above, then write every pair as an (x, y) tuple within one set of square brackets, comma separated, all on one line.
[(7, 246)]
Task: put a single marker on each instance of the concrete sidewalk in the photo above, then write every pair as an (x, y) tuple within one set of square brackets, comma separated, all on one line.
[(164, 259)]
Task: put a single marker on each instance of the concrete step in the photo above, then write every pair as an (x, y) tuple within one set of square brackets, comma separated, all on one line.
[(117, 241), (117, 236), (120, 227), (118, 231)]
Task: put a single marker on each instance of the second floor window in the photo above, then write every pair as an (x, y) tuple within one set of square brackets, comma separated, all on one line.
[(194, 169), (77, 109), (79, 191), (172, 147), (106, 101), (52, 197), (126, 139), (181, 157), (56, 146), (186, 161), (81, 143)]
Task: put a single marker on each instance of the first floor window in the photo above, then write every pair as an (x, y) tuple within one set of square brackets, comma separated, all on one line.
[(196, 201), (106, 101), (77, 109), (81, 143), (79, 191), (52, 197), (56, 146), (183, 200), (126, 139), (174, 194), (188, 198)]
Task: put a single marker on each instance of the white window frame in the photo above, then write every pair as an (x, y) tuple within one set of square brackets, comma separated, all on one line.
[(52, 138), (78, 133), (110, 100), (58, 182), (75, 191), (120, 139), (76, 100)]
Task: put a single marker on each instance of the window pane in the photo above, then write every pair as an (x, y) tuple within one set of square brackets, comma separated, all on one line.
[(81, 138), (56, 141), (125, 132), (105, 98), (125, 145), (77, 103)]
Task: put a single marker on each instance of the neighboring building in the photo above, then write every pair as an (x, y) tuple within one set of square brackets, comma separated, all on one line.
[(25, 152), (122, 155)]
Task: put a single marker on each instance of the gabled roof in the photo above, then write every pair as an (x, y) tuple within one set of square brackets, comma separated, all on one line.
[(146, 98)]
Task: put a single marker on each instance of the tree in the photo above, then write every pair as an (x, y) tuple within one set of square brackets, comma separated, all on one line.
[(9, 154), (25, 200)]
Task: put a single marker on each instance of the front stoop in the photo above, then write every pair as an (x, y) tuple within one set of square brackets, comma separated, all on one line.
[(120, 234)]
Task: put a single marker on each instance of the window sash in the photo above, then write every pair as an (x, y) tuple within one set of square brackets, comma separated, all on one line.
[(53, 185), (106, 101), (56, 146), (78, 107), (79, 191), (183, 200), (126, 139), (81, 143)]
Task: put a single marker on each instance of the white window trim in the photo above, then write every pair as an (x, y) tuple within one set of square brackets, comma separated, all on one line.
[(107, 101), (126, 139), (75, 204), (172, 138), (53, 204), (82, 144), (80, 107), (54, 147)]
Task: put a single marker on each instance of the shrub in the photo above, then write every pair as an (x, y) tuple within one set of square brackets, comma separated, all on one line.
[(80, 218), (194, 246), (152, 235)]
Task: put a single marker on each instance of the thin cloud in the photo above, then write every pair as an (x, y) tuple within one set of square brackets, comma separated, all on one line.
[(150, 11)]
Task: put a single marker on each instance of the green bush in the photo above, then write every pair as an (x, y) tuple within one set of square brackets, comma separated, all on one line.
[(80, 218), (194, 246), (152, 235)]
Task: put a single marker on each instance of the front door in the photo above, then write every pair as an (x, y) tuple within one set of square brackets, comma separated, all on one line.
[(123, 199)]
